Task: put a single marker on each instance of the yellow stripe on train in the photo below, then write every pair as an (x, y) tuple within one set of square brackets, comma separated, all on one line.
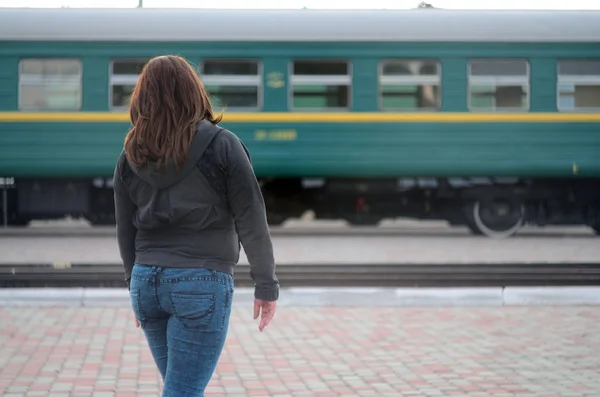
[(293, 117)]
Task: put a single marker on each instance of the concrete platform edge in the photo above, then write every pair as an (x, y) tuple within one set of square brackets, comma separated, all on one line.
[(440, 297)]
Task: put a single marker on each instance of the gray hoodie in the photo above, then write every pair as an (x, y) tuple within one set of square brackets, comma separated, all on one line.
[(196, 216)]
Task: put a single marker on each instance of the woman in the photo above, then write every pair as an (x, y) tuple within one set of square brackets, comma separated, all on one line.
[(185, 197)]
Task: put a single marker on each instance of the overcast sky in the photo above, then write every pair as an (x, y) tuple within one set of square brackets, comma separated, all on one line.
[(465, 4)]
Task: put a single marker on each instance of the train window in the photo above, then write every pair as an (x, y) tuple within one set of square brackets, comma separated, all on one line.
[(578, 85), (234, 84), (409, 85), (320, 85), (499, 85), (50, 84), (124, 74)]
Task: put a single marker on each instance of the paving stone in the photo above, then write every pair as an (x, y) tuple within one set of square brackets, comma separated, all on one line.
[(317, 352)]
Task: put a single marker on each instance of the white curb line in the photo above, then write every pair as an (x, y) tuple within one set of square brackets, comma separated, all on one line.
[(366, 297)]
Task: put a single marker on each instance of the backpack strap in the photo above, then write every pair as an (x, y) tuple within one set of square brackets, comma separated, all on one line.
[(216, 175)]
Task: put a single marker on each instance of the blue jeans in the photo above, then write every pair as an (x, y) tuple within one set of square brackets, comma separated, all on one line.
[(184, 314)]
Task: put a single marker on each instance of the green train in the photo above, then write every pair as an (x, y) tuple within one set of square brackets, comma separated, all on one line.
[(489, 119)]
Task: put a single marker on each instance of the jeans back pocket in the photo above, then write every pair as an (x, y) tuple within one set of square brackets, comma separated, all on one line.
[(193, 310)]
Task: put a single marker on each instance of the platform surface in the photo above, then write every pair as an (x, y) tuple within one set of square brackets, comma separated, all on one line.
[(425, 248), (317, 352)]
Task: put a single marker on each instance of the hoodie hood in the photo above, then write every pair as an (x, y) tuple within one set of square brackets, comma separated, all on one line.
[(165, 177)]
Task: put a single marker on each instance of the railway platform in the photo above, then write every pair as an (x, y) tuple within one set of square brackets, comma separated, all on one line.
[(495, 341), (426, 246), (425, 257), (322, 351)]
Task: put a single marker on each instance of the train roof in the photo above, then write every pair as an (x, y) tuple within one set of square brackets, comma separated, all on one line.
[(416, 25)]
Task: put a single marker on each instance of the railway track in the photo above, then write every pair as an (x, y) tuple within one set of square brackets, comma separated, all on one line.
[(330, 275)]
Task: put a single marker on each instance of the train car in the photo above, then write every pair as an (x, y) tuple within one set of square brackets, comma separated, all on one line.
[(489, 119)]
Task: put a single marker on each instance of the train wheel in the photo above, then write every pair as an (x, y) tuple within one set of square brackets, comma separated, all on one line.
[(473, 228), (469, 219), (498, 217)]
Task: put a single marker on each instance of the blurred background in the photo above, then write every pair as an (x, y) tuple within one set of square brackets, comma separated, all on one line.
[(476, 118), (399, 144)]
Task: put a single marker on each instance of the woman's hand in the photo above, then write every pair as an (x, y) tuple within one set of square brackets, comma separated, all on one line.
[(268, 311)]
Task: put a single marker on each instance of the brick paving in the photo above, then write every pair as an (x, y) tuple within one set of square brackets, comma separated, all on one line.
[(319, 351)]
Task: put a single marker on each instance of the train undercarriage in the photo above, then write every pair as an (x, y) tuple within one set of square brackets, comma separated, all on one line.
[(492, 207)]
